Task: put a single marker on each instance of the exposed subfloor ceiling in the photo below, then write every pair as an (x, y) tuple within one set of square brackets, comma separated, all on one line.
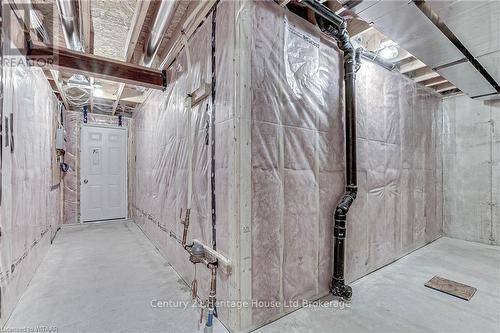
[(456, 39), (112, 29), (120, 29)]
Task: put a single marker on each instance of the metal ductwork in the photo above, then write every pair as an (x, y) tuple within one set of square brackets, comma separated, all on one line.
[(69, 23), (160, 26), (441, 35), (374, 57)]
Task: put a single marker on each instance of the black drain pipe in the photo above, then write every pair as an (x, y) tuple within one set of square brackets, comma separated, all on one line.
[(335, 26)]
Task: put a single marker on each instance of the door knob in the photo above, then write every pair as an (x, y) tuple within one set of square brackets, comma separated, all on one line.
[(85, 181)]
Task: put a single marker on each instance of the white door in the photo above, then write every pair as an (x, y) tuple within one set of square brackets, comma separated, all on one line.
[(103, 176)]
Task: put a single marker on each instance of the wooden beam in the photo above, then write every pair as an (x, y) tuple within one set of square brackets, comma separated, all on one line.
[(53, 83), (118, 96), (55, 76), (137, 99), (411, 66), (137, 23), (403, 55), (444, 87), (333, 5), (311, 17), (283, 3), (423, 74), (95, 66), (434, 81), (141, 9), (454, 92), (357, 26)]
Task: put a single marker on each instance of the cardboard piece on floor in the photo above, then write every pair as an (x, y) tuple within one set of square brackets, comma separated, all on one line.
[(453, 288)]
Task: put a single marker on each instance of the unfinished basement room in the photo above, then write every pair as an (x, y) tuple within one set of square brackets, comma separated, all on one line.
[(268, 166)]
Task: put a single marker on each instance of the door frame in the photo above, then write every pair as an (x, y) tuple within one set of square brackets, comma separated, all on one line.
[(80, 171)]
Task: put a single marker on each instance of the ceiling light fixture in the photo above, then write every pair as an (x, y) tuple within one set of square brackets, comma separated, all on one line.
[(98, 92), (388, 50)]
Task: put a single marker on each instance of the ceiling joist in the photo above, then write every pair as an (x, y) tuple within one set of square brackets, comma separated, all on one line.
[(87, 29), (141, 10), (403, 55), (55, 77), (356, 27), (423, 74), (444, 87), (434, 81), (140, 14), (411, 66), (118, 96)]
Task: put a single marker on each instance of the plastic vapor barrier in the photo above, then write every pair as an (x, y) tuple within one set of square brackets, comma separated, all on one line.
[(279, 161), (72, 128), (30, 207), (471, 157)]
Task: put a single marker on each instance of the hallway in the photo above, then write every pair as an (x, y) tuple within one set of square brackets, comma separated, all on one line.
[(102, 277)]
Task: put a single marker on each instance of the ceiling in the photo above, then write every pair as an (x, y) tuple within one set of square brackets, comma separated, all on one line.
[(119, 29), (111, 21), (456, 39), (115, 29)]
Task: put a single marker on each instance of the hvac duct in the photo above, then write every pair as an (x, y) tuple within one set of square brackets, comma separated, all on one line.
[(335, 26), (160, 26), (69, 24), (444, 32)]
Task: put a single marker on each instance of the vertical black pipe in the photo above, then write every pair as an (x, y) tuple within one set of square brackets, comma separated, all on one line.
[(335, 26), (212, 129), (350, 118)]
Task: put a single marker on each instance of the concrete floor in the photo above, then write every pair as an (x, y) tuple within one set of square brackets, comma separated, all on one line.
[(102, 278), (394, 299)]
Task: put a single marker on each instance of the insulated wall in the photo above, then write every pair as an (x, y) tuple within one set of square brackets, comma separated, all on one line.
[(297, 158), (471, 156), (30, 206), (279, 161), (72, 129), (172, 162)]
